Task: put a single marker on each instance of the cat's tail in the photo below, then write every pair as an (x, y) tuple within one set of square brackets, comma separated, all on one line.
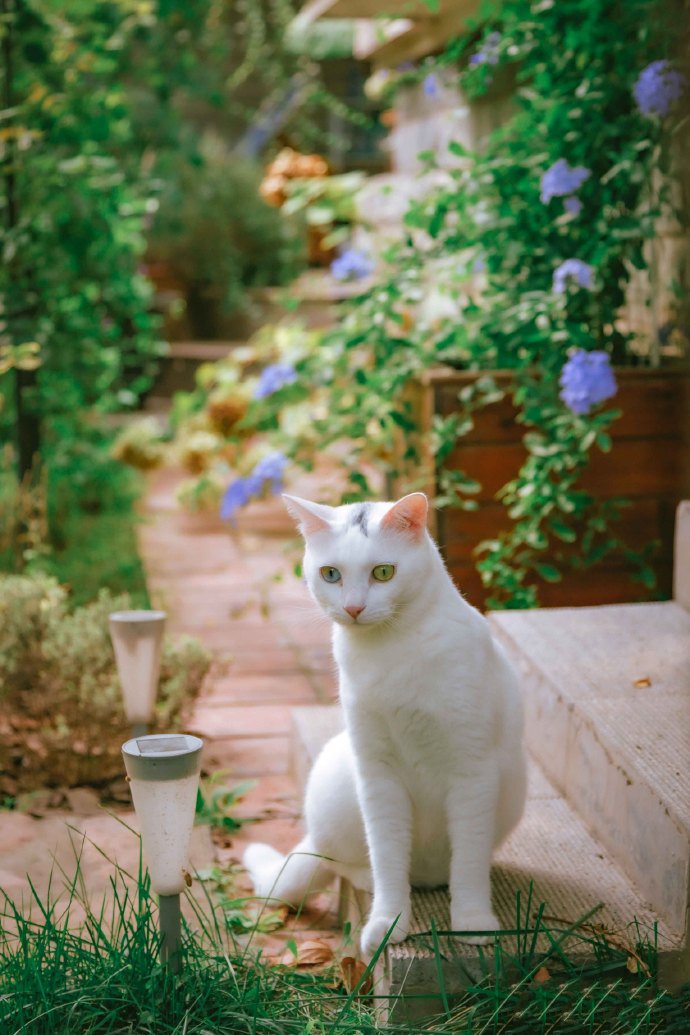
[(287, 878)]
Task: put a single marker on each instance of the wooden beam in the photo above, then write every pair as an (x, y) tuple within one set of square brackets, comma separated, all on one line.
[(391, 31), (372, 34), (427, 36), (392, 9)]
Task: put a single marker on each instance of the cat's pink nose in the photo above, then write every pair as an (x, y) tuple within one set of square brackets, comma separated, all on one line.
[(354, 612)]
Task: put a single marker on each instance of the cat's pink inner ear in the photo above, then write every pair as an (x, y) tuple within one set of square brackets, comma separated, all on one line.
[(408, 515), (310, 517)]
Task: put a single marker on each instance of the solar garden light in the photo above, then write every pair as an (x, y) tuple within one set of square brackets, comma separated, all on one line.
[(163, 772), (137, 640)]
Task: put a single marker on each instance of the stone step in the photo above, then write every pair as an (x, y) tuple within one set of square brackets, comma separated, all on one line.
[(550, 858), (607, 697)]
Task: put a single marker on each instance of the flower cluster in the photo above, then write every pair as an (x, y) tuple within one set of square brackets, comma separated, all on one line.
[(488, 53), (268, 471), (274, 377), (658, 87), (561, 179), (352, 264), (431, 85), (572, 269), (586, 380), (572, 205)]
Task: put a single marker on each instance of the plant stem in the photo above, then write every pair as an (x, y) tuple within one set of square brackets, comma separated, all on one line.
[(27, 425)]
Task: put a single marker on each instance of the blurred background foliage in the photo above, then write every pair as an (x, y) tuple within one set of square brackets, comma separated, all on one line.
[(132, 134), (111, 119)]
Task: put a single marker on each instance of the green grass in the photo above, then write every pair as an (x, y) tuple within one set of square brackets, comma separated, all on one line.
[(78, 524), (103, 976), (100, 550)]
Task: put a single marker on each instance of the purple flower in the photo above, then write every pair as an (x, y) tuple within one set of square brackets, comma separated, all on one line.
[(236, 495), (658, 87), (573, 205), (586, 380), (270, 469), (431, 85), (351, 264), (239, 492), (488, 53), (561, 179), (274, 377), (581, 272)]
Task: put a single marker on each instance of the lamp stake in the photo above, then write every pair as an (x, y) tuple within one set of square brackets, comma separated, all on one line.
[(169, 922)]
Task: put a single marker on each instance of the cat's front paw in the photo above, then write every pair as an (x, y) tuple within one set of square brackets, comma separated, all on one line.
[(475, 921), (377, 927)]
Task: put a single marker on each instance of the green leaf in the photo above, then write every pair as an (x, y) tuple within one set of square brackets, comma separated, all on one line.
[(402, 420), (358, 479), (563, 531), (547, 572), (647, 576), (456, 148)]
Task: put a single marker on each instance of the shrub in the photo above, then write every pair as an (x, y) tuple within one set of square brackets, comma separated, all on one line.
[(63, 721), (140, 444), (218, 235), (77, 522)]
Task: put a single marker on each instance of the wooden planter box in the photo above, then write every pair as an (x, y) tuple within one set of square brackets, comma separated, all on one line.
[(649, 465)]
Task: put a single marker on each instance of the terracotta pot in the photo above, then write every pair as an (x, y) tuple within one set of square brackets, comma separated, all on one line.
[(649, 465)]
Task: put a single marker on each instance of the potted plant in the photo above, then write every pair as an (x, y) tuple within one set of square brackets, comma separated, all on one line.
[(328, 208), (218, 238)]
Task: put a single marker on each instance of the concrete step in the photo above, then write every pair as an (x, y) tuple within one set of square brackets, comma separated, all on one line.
[(550, 858), (607, 696)]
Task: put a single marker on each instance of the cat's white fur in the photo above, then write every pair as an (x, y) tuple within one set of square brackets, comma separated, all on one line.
[(430, 774)]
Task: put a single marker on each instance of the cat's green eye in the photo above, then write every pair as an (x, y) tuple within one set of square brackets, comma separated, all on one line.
[(329, 574), (383, 572)]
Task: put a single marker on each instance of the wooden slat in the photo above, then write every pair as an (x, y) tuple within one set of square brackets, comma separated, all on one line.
[(602, 584), (651, 404), (640, 467), (639, 523)]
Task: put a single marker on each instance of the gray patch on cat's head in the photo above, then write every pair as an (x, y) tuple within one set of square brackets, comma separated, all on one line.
[(359, 518)]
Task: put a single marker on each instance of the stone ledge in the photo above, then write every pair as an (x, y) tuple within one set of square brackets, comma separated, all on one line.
[(607, 699)]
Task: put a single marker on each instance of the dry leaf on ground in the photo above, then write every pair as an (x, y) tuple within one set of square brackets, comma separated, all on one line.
[(312, 953), (352, 970), (541, 976)]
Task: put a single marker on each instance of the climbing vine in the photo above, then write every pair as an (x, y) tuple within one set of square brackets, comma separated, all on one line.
[(519, 261)]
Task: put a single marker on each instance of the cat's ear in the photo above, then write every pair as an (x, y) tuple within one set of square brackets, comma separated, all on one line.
[(408, 515), (311, 517)]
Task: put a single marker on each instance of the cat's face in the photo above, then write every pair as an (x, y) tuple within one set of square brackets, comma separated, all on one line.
[(363, 562)]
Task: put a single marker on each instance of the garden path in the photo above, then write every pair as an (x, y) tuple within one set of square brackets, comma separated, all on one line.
[(236, 591)]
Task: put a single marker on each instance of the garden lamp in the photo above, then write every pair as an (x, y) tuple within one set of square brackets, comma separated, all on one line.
[(137, 640), (163, 771)]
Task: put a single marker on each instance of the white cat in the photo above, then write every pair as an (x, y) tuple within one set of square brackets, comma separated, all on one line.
[(429, 776)]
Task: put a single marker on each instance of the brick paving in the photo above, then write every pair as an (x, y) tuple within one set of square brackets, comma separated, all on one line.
[(236, 591)]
